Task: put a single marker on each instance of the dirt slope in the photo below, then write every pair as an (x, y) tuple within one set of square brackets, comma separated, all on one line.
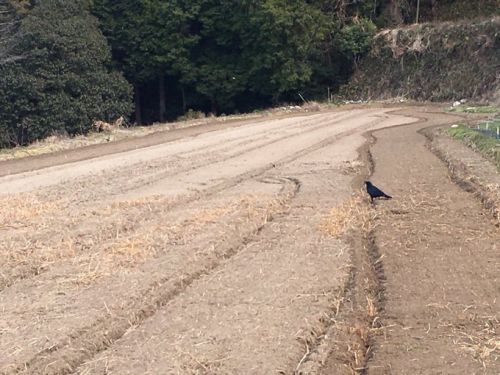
[(432, 62)]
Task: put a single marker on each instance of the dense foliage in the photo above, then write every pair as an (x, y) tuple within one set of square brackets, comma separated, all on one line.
[(216, 56), (226, 55)]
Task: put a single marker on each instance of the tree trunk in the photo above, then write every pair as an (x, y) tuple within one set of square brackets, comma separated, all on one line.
[(214, 107), (396, 14), (434, 10), (162, 103), (138, 109), (418, 12), (183, 99)]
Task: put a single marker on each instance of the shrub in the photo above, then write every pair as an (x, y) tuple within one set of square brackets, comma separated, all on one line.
[(62, 83)]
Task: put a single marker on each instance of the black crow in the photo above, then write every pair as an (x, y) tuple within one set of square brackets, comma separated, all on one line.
[(375, 192)]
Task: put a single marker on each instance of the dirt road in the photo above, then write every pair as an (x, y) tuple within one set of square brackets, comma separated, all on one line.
[(209, 255), (441, 265)]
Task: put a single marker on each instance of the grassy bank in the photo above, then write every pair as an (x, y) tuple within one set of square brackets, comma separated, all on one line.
[(487, 146), (472, 109)]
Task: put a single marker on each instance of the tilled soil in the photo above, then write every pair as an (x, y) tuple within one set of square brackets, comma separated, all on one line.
[(233, 252)]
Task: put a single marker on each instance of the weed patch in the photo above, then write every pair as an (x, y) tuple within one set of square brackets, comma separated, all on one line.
[(486, 146), (480, 109)]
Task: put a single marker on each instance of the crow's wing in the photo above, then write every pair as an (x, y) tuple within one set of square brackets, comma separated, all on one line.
[(376, 192)]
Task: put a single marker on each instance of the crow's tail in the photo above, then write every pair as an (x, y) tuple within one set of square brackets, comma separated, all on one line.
[(387, 196)]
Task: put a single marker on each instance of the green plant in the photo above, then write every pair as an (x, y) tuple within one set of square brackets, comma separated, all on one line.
[(355, 39), (479, 109)]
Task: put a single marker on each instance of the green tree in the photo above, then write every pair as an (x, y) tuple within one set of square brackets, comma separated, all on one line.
[(150, 39), (287, 35), (9, 24), (355, 39), (260, 47), (62, 84)]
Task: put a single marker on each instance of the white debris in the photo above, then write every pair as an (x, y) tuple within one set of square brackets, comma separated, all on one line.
[(355, 101)]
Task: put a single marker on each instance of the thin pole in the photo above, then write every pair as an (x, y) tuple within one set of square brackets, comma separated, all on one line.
[(418, 11)]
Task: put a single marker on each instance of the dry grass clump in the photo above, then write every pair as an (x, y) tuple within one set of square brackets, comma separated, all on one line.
[(311, 106), (145, 243), (261, 207), (357, 348), (483, 349), (22, 260), (353, 213), (356, 328), (123, 234), (149, 241), (484, 343), (132, 207), (194, 364), (493, 195), (129, 250), (140, 202), (20, 209), (207, 216), (125, 231), (59, 142), (49, 144)]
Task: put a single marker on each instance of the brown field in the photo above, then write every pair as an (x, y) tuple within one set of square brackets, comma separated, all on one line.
[(249, 249)]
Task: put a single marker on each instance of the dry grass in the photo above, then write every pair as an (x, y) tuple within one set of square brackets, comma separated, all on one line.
[(56, 143), (492, 194), (351, 330), (483, 349), (193, 364), (136, 209), (484, 342), (122, 232), (311, 106), (19, 210), (149, 241), (354, 213), (145, 232)]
